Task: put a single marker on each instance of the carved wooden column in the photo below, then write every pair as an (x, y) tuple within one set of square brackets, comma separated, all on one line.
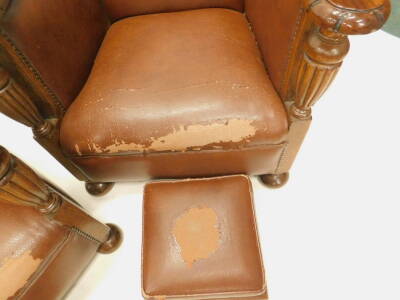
[(16, 104), (324, 48), (320, 47), (19, 184), (324, 52)]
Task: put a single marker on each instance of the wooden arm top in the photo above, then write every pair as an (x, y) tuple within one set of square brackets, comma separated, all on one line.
[(350, 17)]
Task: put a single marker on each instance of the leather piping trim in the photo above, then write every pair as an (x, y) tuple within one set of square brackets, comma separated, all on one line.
[(43, 267), (213, 295), (173, 152), (26, 62)]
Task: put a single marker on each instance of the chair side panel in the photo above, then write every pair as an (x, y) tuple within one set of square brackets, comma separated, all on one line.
[(57, 40)]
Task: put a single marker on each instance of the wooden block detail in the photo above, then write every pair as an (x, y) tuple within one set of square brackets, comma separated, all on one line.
[(297, 132)]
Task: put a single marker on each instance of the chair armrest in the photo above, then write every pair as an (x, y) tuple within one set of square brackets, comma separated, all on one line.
[(317, 46), (324, 43), (350, 17), (20, 185)]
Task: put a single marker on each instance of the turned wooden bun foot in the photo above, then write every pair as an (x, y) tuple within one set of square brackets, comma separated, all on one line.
[(114, 240), (98, 188), (275, 181)]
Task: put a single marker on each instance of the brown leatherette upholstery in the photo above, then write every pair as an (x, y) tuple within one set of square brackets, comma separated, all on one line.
[(118, 9), (60, 38), (27, 242), (275, 26), (39, 258), (64, 270), (174, 83), (200, 240)]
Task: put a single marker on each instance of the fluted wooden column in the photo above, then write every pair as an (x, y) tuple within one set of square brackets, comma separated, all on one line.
[(20, 185), (16, 104), (319, 47), (324, 52)]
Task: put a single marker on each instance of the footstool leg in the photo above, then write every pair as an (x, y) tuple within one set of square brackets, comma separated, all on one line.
[(275, 181), (114, 240), (98, 188)]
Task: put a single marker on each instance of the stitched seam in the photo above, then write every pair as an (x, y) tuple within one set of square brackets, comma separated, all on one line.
[(33, 70), (291, 48), (281, 159), (173, 152), (255, 227), (85, 235), (50, 258)]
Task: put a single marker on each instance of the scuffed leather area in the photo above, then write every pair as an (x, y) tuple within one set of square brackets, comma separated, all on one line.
[(27, 241), (65, 269), (175, 82), (127, 167)]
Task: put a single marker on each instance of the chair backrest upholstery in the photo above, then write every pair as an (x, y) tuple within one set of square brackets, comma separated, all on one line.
[(57, 40), (118, 9), (275, 45)]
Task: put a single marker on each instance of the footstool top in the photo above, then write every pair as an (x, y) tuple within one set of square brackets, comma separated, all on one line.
[(200, 239)]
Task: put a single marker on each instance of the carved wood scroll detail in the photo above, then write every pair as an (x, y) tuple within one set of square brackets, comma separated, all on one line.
[(349, 16), (323, 55), (20, 184), (326, 44)]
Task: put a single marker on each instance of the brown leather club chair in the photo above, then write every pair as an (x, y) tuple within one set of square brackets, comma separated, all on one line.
[(47, 240), (121, 90)]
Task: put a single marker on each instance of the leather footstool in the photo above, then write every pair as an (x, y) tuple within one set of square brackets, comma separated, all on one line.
[(200, 240)]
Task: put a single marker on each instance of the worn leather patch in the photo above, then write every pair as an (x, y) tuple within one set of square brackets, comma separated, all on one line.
[(15, 273), (197, 234)]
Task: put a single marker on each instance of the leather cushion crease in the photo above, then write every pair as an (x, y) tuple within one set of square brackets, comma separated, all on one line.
[(190, 81), (200, 240)]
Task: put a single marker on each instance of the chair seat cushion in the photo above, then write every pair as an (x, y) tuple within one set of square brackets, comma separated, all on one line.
[(175, 82)]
